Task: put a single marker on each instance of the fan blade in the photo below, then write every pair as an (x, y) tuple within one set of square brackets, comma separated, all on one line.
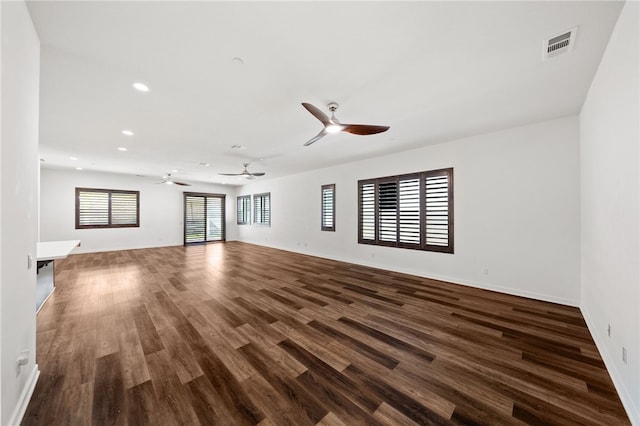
[(231, 174), (364, 129), (324, 118), (257, 174), (181, 183), (316, 137)]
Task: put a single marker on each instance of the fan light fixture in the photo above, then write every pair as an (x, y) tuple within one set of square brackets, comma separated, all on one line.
[(141, 87), (333, 128)]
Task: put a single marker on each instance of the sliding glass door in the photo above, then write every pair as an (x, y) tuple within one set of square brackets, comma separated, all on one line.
[(204, 217)]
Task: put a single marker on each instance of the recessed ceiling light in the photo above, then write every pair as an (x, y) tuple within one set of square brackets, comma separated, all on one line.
[(237, 61), (78, 168), (141, 87), (73, 158), (127, 132), (122, 148), (174, 171)]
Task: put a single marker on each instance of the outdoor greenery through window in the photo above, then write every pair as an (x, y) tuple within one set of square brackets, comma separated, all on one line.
[(204, 217), (243, 210), (328, 208), (409, 211), (262, 209), (107, 208)]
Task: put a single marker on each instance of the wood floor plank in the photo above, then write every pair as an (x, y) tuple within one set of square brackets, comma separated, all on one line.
[(109, 404), (173, 405), (303, 398), (182, 359), (240, 334)]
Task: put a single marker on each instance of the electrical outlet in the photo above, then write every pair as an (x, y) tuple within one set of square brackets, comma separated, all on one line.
[(609, 330), (23, 359), (485, 271), (624, 354)]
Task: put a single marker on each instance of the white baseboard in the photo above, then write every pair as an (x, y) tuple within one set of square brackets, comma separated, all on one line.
[(454, 280), (633, 411), (25, 397), (474, 284)]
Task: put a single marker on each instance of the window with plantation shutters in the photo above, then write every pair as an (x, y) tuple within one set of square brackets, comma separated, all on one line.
[(409, 211), (438, 210), (204, 217), (262, 209), (328, 208), (107, 208), (367, 212), (243, 210)]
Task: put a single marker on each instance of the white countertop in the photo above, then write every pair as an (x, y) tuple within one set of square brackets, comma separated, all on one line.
[(51, 250)]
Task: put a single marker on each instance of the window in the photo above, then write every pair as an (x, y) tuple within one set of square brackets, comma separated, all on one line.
[(243, 209), (262, 209), (410, 211), (107, 208), (328, 208), (204, 217)]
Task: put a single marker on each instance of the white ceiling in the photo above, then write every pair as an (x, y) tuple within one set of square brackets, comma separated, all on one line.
[(433, 71)]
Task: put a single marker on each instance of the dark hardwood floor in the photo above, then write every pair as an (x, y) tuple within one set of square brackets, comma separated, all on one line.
[(234, 333)]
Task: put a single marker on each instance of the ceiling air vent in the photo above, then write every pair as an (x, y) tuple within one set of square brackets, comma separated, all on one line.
[(559, 44)]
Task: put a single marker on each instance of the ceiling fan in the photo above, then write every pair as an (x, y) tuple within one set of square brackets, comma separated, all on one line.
[(169, 181), (332, 125), (246, 173)]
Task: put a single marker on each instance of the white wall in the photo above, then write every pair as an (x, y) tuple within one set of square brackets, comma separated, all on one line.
[(19, 209), (161, 210), (609, 161), (516, 212)]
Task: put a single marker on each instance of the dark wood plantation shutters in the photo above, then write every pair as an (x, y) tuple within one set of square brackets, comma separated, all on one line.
[(411, 211), (204, 217), (328, 208), (243, 210), (107, 208), (262, 209), (438, 208), (387, 211), (367, 216)]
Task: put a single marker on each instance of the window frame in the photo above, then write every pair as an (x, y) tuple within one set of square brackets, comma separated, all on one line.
[(110, 193), (245, 209), (264, 212), (206, 196), (365, 218), (323, 208)]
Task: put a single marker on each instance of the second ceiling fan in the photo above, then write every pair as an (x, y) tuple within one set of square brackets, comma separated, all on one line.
[(245, 173), (333, 125), (169, 181)]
